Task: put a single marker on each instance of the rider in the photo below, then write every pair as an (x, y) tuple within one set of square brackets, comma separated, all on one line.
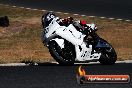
[(80, 25)]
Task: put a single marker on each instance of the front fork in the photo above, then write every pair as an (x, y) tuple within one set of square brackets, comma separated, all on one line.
[(93, 40)]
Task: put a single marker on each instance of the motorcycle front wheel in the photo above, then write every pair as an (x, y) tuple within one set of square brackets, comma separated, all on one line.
[(63, 56), (108, 55)]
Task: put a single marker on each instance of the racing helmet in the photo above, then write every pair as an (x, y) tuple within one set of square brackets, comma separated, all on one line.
[(47, 18)]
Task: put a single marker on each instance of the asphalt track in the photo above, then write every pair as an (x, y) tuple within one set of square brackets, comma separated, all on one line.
[(47, 75), (107, 8)]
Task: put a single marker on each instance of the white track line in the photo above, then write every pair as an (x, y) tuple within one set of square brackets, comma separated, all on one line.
[(83, 15), (35, 9), (28, 8), (23, 64), (91, 16), (111, 18), (43, 10), (51, 11), (14, 64), (128, 61), (128, 20), (58, 12), (102, 17), (125, 61), (14, 6), (67, 13), (76, 14), (119, 19)]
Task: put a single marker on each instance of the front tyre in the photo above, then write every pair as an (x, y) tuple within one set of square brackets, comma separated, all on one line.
[(108, 55), (63, 56)]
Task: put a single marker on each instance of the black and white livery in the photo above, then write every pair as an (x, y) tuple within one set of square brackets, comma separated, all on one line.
[(67, 44)]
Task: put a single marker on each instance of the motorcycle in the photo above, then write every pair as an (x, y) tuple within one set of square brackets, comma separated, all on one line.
[(67, 45)]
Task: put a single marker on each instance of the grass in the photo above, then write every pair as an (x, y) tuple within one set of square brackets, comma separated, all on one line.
[(21, 41)]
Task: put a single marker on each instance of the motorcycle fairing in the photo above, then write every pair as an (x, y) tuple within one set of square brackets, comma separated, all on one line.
[(76, 38), (102, 44), (72, 35), (51, 28)]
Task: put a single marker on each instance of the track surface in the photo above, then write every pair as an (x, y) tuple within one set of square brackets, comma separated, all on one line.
[(108, 8), (55, 76)]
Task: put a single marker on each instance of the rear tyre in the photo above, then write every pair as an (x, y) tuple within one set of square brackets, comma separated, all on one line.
[(63, 56)]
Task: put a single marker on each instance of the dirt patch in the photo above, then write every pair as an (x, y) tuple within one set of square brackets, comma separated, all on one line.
[(20, 55)]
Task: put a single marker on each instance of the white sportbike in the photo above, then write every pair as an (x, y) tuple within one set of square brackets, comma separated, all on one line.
[(67, 45)]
